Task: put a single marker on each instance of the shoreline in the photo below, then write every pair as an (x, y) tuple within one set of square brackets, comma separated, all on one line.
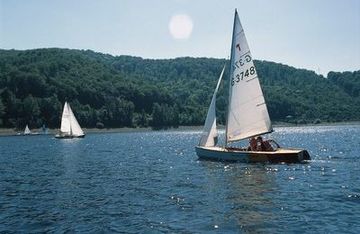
[(13, 132), (50, 131)]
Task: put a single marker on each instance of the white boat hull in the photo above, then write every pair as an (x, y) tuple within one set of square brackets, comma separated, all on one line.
[(240, 155)]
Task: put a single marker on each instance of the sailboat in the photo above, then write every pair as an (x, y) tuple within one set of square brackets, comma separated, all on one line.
[(27, 130), (247, 114), (70, 127)]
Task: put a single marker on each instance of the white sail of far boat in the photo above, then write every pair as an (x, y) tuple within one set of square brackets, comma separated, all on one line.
[(65, 120), (69, 125), (74, 125), (27, 130), (209, 135), (247, 112)]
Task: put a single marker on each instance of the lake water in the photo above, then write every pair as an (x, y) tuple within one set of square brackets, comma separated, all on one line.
[(152, 182)]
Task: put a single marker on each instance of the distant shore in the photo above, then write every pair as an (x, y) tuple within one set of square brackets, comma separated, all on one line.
[(12, 132)]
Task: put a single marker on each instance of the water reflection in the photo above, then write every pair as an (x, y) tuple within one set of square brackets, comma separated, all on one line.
[(241, 193)]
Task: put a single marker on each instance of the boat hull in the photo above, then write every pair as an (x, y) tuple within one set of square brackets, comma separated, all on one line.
[(29, 134), (68, 136), (240, 155)]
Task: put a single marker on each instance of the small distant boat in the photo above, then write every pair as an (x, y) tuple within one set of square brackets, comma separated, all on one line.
[(44, 130), (70, 127), (27, 131), (247, 114)]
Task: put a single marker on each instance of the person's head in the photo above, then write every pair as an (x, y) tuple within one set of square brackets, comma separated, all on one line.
[(259, 138)]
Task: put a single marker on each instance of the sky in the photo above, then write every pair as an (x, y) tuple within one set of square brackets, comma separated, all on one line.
[(318, 35)]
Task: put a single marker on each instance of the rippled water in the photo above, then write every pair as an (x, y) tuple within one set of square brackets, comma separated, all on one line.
[(153, 182)]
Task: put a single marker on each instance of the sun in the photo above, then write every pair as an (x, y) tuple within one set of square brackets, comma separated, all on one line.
[(180, 26)]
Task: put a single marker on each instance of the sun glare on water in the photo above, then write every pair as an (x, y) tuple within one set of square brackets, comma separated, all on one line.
[(180, 26)]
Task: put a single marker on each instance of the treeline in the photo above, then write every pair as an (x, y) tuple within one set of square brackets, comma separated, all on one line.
[(124, 91)]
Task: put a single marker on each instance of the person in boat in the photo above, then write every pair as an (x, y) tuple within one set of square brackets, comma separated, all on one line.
[(263, 145), (252, 144), (259, 144)]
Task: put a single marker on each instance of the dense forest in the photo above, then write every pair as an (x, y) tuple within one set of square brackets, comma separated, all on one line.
[(124, 91)]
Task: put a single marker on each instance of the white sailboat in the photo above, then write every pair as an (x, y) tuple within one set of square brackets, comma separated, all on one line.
[(27, 130), (70, 127), (247, 114)]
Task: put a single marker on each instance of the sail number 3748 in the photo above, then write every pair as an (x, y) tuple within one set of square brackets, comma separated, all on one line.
[(240, 76)]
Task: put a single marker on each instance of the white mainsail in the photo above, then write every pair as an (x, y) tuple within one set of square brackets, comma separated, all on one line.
[(209, 135), (65, 120), (247, 112), (75, 127), (27, 130)]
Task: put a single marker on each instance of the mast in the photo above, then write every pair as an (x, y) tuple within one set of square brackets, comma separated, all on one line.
[(230, 74), (69, 109)]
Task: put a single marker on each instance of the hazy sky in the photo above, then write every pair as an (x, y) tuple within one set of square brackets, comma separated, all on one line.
[(320, 35)]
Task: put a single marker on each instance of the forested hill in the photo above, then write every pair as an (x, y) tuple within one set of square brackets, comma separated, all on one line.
[(108, 91)]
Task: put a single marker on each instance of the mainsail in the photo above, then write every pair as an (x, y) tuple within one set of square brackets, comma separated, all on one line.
[(209, 135), (65, 120), (247, 112)]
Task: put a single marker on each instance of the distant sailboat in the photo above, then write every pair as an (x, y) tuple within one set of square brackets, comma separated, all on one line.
[(247, 114), (27, 130), (70, 127), (44, 129)]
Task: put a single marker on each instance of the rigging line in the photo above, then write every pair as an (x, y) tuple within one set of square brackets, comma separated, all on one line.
[(252, 79), (248, 52), (249, 100), (242, 30)]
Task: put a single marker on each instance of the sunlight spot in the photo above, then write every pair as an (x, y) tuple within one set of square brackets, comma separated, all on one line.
[(180, 26)]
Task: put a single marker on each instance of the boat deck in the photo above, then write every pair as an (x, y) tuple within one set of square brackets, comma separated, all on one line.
[(233, 149)]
